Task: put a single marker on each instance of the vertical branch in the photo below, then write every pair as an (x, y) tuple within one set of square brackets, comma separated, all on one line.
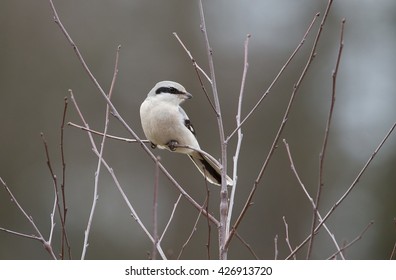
[(322, 154), (287, 236), (207, 220), (240, 135), (155, 210), (117, 115), (274, 145), (276, 247), (277, 77), (223, 235), (64, 239), (98, 169)]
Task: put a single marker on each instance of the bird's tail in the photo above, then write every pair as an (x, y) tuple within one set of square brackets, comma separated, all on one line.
[(209, 168)]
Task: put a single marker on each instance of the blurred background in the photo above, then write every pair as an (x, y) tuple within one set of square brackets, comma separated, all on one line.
[(38, 66)]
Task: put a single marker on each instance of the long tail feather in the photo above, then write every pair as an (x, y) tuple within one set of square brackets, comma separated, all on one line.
[(209, 169)]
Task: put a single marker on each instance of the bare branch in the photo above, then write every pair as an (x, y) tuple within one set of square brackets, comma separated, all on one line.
[(170, 218), (240, 135), (197, 69), (30, 236), (314, 206), (322, 154), (223, 235), (283, 123), (110, 170), (247, 245), (155, 211), (99, 164), (360, 236), (121, 120), (207, 220), (64, 239), (47, 245), (264, 95), (128, 140), (287, 236), (276, 247), (348, 191), (192, 233)]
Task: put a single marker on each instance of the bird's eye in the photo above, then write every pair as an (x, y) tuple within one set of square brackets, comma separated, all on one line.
[(172, 90)]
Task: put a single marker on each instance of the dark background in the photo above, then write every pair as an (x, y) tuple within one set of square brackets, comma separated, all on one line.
[(37, 67)]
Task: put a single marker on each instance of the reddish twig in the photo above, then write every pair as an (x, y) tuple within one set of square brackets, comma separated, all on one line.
[(322, 154), (284, 120), (64, 239), (47, 245), (275, 80), (197, 69), (314, 206), (192, 231), (360, 236), (121, 120), (348, 191)]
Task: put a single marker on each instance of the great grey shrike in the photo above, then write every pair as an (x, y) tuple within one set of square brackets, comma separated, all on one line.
[(167, 126)]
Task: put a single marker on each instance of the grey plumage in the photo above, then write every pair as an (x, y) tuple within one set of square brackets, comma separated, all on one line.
[(165, 124)]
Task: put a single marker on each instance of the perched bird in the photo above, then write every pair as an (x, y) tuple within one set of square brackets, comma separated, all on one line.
[(167, 126)]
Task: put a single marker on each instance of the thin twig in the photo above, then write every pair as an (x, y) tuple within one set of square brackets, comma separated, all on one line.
[(360, 236), (274, 145), (207, 220), (348, 191), (197, 69), (99, 164), (121, 120), (287, 236), (393, 254), (29, 236), (155, 211), (322, 154), (247, 245), (240, 135), (128, 140), (223, 235), (46, 244), (111, 172), (56, 205), (276, 247), (275, 80), (314, 206), (192, 232), (64, 239), (170, 218)]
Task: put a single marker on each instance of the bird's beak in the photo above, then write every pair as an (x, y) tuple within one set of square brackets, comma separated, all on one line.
[(187, 95)]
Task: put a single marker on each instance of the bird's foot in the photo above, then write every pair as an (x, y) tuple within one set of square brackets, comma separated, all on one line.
[(153, 146), (172, 145)]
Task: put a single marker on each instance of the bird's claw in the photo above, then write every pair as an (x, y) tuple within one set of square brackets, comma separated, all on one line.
[(172, 145)]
